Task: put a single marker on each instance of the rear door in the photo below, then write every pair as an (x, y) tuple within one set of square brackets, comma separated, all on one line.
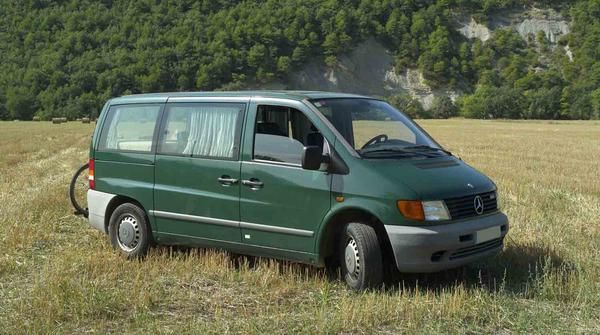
[(281, 204), (197, 172)]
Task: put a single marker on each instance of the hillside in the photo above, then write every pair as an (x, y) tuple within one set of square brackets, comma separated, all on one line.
[(483, 59)]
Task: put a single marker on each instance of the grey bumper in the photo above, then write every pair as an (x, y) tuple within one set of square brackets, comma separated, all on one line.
[(97, 204), (440, 247)]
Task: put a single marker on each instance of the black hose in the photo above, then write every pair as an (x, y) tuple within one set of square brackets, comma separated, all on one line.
[(79, 210)]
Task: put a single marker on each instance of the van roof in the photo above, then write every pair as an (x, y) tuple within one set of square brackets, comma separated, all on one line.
[(293, 95)]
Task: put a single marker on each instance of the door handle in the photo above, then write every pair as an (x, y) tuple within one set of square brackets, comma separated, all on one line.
[(254, 183), (227, 180)]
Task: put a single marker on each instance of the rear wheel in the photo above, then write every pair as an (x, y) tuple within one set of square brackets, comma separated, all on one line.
[(128, 231), (360, 257)]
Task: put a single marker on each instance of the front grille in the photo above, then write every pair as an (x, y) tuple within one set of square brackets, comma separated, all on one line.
[(475, 249), (464, 207)]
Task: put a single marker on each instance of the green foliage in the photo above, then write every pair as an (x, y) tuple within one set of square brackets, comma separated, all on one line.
[(3, 111), (490, 102), (408, 105), (65, 58), (443, 108), (595, 97), (20, 103)]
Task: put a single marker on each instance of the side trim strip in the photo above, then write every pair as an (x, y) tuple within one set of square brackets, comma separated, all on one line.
[(236, 244), (275, 229), (231, 223), (194, 218)]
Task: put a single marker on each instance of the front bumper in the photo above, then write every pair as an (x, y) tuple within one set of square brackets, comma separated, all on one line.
[(440, 247)]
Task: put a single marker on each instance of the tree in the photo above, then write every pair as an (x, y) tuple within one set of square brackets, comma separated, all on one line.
[(408, 105), (489, 102), (443, 107), (60, 56), (595, 97), (21, 103), (544, 104), (3, 112)]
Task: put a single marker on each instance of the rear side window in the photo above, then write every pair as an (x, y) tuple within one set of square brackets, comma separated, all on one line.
[(129, 128), (210, 130), (282, 133)]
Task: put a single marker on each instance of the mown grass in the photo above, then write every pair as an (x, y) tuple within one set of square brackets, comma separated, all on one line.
[(57, 275)]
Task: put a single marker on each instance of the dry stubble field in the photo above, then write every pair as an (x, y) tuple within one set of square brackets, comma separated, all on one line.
[(57, 275)]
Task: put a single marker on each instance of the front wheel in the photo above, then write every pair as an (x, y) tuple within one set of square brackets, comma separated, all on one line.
[(360, 257), (128, 231)]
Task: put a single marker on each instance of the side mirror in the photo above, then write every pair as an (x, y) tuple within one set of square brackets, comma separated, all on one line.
[(312, 157)]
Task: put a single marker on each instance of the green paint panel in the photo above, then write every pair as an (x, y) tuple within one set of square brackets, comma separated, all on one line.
[(126, 174), (187, 185), (290, 198)]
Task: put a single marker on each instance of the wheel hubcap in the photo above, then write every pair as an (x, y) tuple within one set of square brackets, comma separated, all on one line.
[(129, 233), (352, 259)]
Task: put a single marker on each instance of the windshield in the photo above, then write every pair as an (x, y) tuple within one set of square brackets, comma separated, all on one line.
[(377, 130)]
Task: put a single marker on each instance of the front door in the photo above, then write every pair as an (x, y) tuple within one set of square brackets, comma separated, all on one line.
[(197, 172), (281, 205)]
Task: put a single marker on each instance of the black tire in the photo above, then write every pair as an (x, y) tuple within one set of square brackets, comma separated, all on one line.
[(135, 237), (79, 208), (368, 270)]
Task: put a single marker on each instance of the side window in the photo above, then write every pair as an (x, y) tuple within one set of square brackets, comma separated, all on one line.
[(202, 130), (129, 128), (281, 134)]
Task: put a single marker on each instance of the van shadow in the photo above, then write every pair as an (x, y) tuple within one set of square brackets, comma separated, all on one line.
[(515, 270)]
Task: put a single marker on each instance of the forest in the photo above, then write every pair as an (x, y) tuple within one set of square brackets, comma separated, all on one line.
[(67, 57)]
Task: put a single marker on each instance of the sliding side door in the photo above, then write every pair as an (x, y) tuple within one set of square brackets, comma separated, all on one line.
[(197, 173)]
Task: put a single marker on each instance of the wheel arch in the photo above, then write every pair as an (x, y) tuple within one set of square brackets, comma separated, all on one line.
[(116, 202), (330, 231)]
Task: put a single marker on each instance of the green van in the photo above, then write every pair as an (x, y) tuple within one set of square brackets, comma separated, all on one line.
[(315, 177)]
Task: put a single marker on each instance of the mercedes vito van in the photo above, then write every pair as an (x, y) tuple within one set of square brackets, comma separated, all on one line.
[(315, 177)]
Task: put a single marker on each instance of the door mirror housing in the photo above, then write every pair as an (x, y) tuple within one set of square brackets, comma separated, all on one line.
[(312, 157)]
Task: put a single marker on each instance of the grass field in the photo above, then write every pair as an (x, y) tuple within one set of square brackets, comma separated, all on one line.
[(58, 275)]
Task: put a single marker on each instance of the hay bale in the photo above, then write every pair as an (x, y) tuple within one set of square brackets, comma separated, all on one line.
[(36, 118), (55, 120), (85, 120)]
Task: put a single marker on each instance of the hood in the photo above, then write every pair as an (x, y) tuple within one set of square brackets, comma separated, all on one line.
[(433, 178)]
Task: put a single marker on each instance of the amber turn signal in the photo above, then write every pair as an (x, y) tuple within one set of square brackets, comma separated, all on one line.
[(411, 209)]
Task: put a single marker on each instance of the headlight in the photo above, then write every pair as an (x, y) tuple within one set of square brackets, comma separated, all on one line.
[(435, 211), (423, 210)]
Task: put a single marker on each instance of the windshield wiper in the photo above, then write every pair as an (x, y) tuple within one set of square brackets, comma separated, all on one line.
[(426, 147)]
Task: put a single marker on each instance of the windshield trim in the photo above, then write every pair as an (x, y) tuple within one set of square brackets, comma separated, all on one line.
[(354, 152), (331, 127)]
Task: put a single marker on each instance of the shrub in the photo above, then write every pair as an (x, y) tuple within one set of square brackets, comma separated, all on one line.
[(489, 102), (443, 107), (408, 105)]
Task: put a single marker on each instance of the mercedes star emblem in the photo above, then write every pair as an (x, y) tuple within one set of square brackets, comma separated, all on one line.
[(478, 205)]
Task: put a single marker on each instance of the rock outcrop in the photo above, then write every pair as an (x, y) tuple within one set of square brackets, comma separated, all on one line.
[(369, 68), (472, 29), (526, 23)]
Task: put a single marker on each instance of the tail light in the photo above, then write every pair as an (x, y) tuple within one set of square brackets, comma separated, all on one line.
[(91, 174)]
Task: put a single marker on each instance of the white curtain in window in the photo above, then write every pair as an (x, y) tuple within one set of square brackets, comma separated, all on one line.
[(212, 131)]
